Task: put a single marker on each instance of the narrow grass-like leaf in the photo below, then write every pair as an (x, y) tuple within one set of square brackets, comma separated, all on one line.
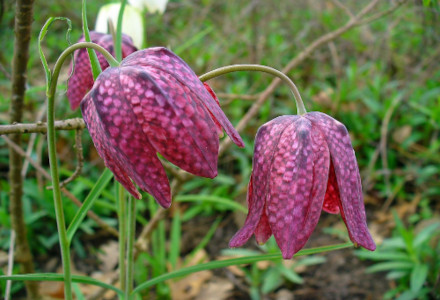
[(212, 199), (60, 277), (79, 295), (175, 236), (41, 36), (96, 67), (232, 262), (102, 182), (426, 234), (388, 266), (193, 40), (204, 241), (418, 277), (271, 280), (382, 255)]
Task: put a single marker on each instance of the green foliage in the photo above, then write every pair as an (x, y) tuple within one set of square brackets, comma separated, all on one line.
[(411, 258), (264, 280)]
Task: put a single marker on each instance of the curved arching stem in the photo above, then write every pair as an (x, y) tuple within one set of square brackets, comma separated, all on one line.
[(61, 223), (259, 68)]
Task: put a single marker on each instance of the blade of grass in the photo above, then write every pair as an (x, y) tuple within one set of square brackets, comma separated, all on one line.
[(212, 199), (102, 182), (234, 261), (60, 277)]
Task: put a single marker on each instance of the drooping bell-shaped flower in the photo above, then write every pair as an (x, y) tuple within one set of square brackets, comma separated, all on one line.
[(303, 165), (81, 80), (153, 102)]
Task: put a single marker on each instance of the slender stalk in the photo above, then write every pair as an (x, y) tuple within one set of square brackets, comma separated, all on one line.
[(118, 42), (122, 219), (259, 68), (130, 246), (59, 213), (94, 62)]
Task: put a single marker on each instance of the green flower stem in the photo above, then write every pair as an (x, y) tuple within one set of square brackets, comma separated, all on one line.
[(59, 213), (122, 219), (259, 68), (94, 62), (130, 247), (118, 42)]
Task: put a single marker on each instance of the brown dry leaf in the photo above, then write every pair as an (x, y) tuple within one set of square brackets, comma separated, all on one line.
[(189, 286), (106, 277), (50, 290), (108, 256), (284, 295), (402, 133), (324, 98), (217, 288), (234, 269)]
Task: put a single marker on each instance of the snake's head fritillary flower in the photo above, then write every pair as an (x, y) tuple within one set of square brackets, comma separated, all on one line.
[(303, 165), (153, 102), (81, 80)]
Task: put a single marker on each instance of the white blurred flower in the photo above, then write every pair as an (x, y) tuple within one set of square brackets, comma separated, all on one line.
[(132, 22), (151, 5)]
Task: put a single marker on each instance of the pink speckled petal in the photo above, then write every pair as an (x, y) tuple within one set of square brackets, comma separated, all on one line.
[(81, 80), (166, 61), (348, 177), (177, 127), (104, 147), (297, 185), (332, 200), (217, 124), (125, 138), (266, 142), (262, 231)]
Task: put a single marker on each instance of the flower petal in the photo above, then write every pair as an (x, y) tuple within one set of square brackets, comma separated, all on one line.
[(81, 80), (177, 127), (297, 185), (266, 142), (125, 138), (332, 200), (103, 146), (217, 124), (348, 177), (168, 62)]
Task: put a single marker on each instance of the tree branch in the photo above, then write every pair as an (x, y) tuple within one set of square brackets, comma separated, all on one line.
[(22, 28)]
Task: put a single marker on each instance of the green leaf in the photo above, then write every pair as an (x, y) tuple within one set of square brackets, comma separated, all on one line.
[(383, 255), (175, 237), (60, 277), (96, 67), (79, 295), (41, 36), (426, 234), (212, 199), (271, 280), (418, 277), (388, 266), (102, 182), (232, 262), (290, 274)]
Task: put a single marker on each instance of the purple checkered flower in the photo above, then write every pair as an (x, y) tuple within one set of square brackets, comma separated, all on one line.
[(82, 79), (153, 102), (303, 165)]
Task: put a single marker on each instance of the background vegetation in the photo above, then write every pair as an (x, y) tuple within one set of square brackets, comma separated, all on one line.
[(380, 79)]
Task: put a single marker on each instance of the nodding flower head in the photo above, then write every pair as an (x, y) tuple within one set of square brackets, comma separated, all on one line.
[(153, 102), (303, 165), (81, 80)]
